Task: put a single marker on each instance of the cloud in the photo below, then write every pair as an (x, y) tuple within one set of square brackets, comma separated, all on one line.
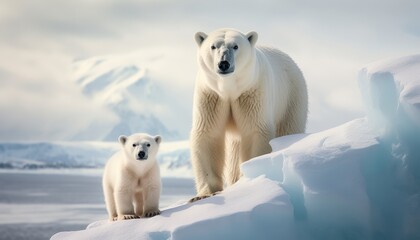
[(38, 101), (329, 40)]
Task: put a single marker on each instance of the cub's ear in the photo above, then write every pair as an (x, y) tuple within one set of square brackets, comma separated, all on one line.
[(122, 139), (158, 139), (200, 37), (252, 37)]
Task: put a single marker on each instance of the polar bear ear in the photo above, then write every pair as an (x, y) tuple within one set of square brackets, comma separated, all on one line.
[(122, 139), (200, 37), (158, 139), (252, 37)]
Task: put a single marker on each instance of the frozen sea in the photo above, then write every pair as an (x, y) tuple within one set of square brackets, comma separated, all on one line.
[(36, 204)]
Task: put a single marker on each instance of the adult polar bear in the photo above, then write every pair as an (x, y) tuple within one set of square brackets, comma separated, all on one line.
[(245, 95)]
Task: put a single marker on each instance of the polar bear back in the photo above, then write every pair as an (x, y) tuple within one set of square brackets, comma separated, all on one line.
[(284, 82)]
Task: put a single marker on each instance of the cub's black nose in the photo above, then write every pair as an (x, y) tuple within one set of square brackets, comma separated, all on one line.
[(224, 65), (142, 154)]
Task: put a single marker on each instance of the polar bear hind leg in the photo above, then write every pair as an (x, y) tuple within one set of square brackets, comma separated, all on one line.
[(294, 120)]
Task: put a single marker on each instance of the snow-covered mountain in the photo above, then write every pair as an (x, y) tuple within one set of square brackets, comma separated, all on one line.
[(55, 155), (173, 157), (140, 96), (360, 180), (130, 87)]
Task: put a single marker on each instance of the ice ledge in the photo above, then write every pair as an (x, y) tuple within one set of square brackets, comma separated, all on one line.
[(259, 206), (391, 92)]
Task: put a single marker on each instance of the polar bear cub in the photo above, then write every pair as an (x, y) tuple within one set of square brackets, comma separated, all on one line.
[(131, 179)]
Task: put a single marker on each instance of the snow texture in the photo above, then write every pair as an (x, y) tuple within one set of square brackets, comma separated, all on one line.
[(360, 180)]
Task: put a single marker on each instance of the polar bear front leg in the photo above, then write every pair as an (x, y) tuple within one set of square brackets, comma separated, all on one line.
[(208, 143), (151, 201), (124, 204), (139, 203), (208, 161)]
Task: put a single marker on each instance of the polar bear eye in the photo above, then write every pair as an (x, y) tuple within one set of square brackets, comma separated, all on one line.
[(148, 145), (213, 47), (235, 47), (134, 145)]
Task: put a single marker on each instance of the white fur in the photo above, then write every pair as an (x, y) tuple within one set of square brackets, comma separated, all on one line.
[(235, 115), (132, 187)]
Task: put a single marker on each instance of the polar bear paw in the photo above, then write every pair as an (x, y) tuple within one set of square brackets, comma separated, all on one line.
[(199, 197), (151, 213), (126, 217)]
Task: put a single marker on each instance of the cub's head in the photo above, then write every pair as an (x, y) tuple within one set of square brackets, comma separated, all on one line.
[(227, 55), (140, 146)]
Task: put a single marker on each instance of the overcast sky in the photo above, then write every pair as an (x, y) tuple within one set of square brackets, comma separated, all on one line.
[(330, 40)]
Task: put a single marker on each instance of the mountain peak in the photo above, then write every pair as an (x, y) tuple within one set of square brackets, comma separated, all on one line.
[(127, 90)]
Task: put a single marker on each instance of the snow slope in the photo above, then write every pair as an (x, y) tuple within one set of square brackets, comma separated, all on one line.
[(359, 180)]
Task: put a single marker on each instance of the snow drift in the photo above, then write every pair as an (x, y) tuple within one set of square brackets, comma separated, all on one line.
[(360, 180)]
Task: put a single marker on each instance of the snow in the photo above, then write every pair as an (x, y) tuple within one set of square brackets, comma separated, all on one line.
[(390, 89), (268, 201), (360, 180)]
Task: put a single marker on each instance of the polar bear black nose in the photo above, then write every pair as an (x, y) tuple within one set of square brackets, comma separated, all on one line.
[(224, 65), (142, 154)]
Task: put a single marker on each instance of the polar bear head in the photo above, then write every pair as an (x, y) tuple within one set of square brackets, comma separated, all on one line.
[(140, 146), (226, 55)]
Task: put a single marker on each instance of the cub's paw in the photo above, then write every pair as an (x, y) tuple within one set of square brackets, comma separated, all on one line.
[(197, 198), (127, 217), (151, 213)]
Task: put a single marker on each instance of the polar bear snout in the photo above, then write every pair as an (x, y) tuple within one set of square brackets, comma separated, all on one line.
[(142, 155), (224, 66), (143, 152)]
